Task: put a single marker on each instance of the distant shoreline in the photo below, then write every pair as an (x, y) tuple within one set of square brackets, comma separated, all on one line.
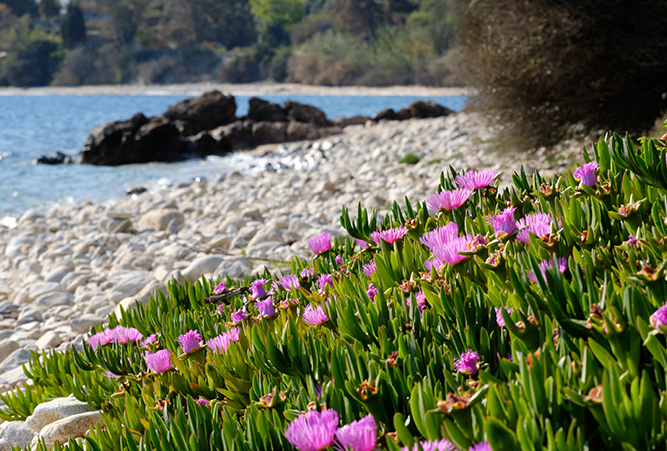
[(261, 88)]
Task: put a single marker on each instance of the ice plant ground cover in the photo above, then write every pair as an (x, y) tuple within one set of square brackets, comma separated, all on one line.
[(573, 360)]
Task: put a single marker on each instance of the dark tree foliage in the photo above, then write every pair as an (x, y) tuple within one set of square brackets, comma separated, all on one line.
[(21, 7), (49, 8), (73, 28), (540, 65), (34, 64), (359, 17), (229, 22)]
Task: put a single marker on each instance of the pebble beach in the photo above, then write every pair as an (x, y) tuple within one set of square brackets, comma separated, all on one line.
[(64, 270)]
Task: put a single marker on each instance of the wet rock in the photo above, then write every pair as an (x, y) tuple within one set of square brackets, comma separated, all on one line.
[(55, 158), (208, 111)]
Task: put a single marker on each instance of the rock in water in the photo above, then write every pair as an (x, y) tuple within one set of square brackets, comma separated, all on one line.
[(306, 113), (262, 111), (56, 158), (208, 111)]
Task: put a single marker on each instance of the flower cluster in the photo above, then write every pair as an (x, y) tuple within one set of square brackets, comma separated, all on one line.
[(220, 343), (315, 431), (118, 334), (389, 236)]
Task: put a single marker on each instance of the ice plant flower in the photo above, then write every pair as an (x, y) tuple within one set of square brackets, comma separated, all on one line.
[(467, 363), (190, 341), (440, 236), (126, 334), (481, 446), (421, 301), (321, 243), (150, 340), (435, 445), (360, 435), (369, 268), (339, 260), (102, 338), (203, 402), (586, 174), (159, 362), (632, 241), (503, 223), (306, 272), (433, 263), (220, 288), (266, 308), (536, 223), (372, 292), (450, 252), (314, 315), (448, 200), (659, 317), (476, 179), (313, 431), (389, 236), (222, 341), (499, 316), (324, 280), (238, 316), (547, 264), (362, 244), (257, 288), (289, 282)]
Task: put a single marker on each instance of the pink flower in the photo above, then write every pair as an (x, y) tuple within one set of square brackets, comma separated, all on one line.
[(360, 435), (321, 243), (266, 308), (219, 288), (450, 252), (313, 431), (203, 402), (102, 338), (440, 236), (536, 223), (190, 341), (499, 316), (362, 244), (481, 446), (314, 315), (339, 260), (467, 363), (389, 236), (369, 268), (324, 280), (238, 316), (257, 288), (126, 334), (476, 179), (503, 223), (306, 272), (547, 264), (586, 174), (632, 241), (222, 341), (150, 340), (448, 200), (434, 263), (372, 292), (659, 317), (289, 282), (436, 445), (159, 362)]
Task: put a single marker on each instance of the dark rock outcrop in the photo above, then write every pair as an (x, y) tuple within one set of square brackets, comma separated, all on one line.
[(306, 113), (208, 111), (262, 111), (55, 158), (345, 121), (418, 110), (387, 114), (269, 132)]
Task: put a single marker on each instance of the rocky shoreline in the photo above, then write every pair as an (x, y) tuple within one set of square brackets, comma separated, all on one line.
[(62, 272)]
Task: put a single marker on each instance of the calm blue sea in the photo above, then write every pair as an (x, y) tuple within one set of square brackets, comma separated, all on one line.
[(34, 125)]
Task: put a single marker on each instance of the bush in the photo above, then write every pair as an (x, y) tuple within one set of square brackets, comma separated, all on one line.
[(88, 66), (463, 325), (540, 66)]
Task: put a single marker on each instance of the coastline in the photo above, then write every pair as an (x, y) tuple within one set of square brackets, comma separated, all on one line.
[(256, 89)]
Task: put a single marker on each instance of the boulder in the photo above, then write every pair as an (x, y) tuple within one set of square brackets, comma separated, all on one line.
[(159, 219), (305, 113), (55, 410), (137, 140), (262, 111), (238, 134), (203, 144), (73, 426), (208, 111), (298, 131), (201, 265), (7, 346), (55, 158), (387, 114), (15, 360), (16, 433), (355, 120), (422, 110), (269, 132)]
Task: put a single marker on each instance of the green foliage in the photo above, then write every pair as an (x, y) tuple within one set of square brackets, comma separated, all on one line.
[(410, 159), (278, 12), (542, 66), (571, 359), (73, 28)]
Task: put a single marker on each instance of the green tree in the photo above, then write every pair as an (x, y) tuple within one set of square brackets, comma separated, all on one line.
[(21, 7), (278, 12), (73, 28), (49, 8)]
